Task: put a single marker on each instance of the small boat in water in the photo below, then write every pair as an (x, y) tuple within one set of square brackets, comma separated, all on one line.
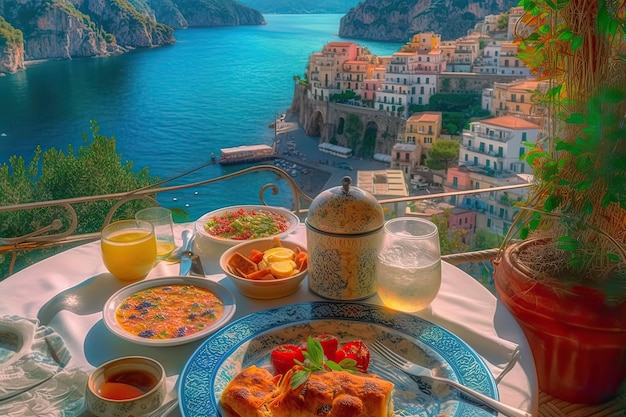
[(246, 154)]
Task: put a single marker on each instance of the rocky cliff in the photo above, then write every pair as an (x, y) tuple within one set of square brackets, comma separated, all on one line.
[(301, 6), (202, 13), (399, 20), (83, 28)]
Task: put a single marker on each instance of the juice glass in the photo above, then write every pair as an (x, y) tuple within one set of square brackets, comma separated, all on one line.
[(129, 249), (408, 270), (161, 219)]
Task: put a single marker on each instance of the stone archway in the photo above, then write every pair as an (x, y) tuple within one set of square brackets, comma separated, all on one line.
[(317, 125), (368, 147)]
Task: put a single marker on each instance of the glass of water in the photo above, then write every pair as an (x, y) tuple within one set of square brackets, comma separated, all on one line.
[(408, 272)]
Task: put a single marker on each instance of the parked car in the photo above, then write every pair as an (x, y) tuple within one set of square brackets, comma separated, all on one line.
[(344, 165)]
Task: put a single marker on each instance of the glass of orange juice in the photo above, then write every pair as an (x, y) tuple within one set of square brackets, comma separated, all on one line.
[(129, 249)]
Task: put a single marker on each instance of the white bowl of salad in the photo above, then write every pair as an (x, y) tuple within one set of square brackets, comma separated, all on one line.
[(237, 224)]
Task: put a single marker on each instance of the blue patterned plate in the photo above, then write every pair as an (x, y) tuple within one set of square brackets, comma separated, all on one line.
[(249, 341)]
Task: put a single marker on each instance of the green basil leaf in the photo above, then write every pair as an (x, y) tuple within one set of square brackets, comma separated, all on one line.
[(299, 378)]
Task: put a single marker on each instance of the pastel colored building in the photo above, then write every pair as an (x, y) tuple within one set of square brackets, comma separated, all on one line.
[(497, 143)]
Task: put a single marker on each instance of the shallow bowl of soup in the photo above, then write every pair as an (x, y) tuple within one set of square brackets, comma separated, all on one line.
[(124, 387), (265, 268), (233, 225), (168, 311)]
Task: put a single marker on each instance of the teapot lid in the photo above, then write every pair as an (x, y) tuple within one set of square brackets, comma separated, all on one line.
[(345, 210)]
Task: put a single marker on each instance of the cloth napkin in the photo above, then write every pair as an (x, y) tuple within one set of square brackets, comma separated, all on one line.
[(63, 394), (29, 354), (34, 380), (475, 325)]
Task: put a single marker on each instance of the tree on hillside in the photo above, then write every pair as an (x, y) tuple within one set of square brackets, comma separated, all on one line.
[(442, 154), (450, 240)]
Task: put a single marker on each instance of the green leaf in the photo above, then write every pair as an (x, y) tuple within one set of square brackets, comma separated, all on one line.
[(334, 366), (566, 35), (533, 224), (347, 363), (577, 41), (567, 243), (299, 378), (315, 351), (524, 232), (613, 257)]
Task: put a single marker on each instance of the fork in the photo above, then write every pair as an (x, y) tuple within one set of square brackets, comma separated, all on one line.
[(420, 371)]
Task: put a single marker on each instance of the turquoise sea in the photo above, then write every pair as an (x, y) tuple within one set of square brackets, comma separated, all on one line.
[(170, 107)]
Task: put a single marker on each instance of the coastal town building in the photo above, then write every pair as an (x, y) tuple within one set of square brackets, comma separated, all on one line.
[(509, 63), (328, 73), (516, 99), (489, 60), (423, 129), (421, 132), (497, 144), (411, 76), (494, 211)]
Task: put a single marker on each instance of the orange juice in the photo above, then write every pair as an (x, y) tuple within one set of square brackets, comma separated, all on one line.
[(164, 248), (129, 254)]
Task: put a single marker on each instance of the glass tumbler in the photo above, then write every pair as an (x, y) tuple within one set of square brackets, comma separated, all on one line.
[(161, 219), (128, 249), (408, 271)]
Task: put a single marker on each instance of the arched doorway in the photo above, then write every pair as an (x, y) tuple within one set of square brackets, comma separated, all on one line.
[(368, 148)]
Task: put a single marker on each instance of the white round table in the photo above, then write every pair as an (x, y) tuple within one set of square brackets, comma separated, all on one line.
[(67, 292)]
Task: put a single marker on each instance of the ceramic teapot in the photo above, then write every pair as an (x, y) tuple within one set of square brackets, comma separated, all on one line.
[(343, 230)]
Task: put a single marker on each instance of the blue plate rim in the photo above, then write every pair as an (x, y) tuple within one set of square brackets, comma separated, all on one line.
[(313, 306)]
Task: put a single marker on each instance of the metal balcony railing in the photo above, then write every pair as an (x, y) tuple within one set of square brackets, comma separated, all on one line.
[(52, 235)]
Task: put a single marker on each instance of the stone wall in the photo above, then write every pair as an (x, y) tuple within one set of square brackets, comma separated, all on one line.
[(325, 120)]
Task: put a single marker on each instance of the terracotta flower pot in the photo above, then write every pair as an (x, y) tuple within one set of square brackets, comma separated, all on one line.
[(578, 340)]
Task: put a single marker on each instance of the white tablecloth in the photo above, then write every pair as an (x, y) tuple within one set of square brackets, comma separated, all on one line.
[(67, 292)]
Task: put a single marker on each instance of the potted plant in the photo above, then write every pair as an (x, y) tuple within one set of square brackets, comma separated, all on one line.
[(564, 279)]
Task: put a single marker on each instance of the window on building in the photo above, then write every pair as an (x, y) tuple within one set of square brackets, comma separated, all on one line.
[(455, 181), (466, 157), (475, 160), (513, 98), (500, 151)]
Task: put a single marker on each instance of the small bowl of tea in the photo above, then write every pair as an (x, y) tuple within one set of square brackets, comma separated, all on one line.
[(130, 386)]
